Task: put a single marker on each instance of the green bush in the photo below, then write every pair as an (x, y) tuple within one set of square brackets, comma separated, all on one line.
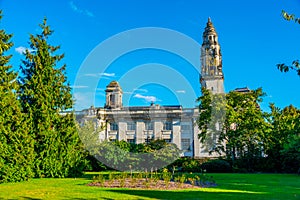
[(291, 155), (216, 166), (95, 165), (187, 164), (191, 165)]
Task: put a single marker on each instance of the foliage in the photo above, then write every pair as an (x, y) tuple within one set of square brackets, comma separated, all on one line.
[(45, 93), (216, 166), (187, 164), (285, 68), (295, 66), (290, 17), (291, 154), (212, 115), (16, 145), (289, 151), (239, 131), (94, 165), (125, 156), (126, 146), (191, 165), (166, 176), (113, 156), (245, 126), (251, 139), (283, 137), (89, 136)]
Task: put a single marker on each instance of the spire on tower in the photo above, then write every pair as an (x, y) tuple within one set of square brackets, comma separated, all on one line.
[(209, 20), (209, 29)]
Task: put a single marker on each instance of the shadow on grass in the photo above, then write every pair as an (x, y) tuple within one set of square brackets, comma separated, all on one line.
[(192, 194)]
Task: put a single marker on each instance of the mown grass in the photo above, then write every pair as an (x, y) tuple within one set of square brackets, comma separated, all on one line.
[(230, 186)]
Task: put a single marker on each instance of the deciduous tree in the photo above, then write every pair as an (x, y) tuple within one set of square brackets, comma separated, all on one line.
[(239, 132), (283, 141)]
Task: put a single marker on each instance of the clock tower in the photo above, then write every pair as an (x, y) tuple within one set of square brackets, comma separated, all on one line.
[(211, 76)]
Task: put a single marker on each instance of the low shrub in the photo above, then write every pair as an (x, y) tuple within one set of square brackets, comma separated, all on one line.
[(216, 166), (191, 165), (187, 164)]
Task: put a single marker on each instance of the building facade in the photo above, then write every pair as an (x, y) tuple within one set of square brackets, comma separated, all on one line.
[(174, 124)]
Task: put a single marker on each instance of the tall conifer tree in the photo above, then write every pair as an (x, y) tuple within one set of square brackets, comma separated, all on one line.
[(45, 94), (16, 146)]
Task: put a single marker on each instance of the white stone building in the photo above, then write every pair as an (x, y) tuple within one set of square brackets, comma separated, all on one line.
[(139, 124)]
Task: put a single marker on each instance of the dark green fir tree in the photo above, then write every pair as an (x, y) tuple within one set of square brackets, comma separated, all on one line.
[(16, 145), (45, 96)]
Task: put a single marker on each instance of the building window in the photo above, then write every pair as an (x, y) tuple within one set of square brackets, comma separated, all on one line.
[(149, 125), (114, 126), (185, 143), (112, 99), (131, 141), (112, 140), (167, 125), (185, 127), (131, 126)]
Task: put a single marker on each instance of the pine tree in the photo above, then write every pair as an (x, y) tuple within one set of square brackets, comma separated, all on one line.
[(45, 94), (16, 146)]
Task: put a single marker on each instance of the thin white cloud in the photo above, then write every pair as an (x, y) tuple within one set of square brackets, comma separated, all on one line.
[(79, 86), (135, 91), (102, 75), (180, 91), (22, 50), (92, 75), (146, 98), (100, 89), (108, 74), (79, 10), (125, 92), (89, 13), (140, 90)]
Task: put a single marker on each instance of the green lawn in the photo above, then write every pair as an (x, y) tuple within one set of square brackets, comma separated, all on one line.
[(230, 186)]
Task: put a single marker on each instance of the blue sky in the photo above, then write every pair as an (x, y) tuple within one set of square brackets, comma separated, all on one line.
[(252, 34)]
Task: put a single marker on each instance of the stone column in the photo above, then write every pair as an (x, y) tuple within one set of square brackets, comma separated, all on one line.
[(197, 145), (140, 126), (176, 133), (158, 126), (122, 131)]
